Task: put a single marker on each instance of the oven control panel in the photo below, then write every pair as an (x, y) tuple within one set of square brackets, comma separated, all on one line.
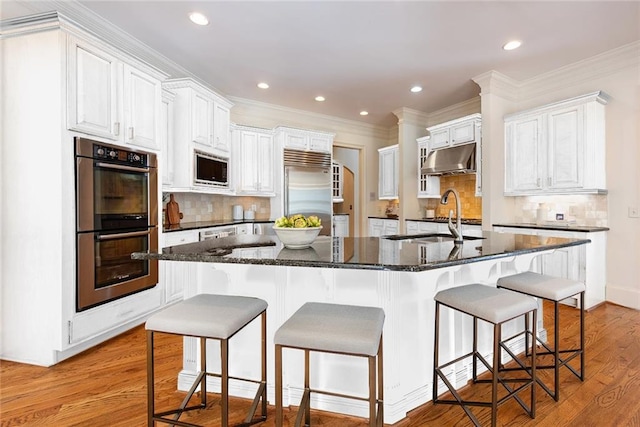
[(119, 155)]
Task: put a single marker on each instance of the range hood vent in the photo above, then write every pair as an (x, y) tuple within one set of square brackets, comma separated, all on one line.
[(451, 160)]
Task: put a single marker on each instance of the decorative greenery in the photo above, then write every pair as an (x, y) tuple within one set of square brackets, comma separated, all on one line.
[(298, 221)]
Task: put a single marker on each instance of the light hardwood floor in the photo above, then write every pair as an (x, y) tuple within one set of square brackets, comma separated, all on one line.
[(106, 385)]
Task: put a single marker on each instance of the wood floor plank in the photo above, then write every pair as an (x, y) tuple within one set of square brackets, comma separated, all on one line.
[(106, 385)]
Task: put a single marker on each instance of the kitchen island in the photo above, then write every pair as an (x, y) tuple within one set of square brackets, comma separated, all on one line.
[(401, 274)]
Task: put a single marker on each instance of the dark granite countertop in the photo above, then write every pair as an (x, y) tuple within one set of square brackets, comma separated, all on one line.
[(369, 253), (561, 227), (184, 226)]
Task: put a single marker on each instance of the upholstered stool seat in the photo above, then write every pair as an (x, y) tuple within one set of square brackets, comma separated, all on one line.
[(554, 289), (206, 316), (333, 328), (495, 306)]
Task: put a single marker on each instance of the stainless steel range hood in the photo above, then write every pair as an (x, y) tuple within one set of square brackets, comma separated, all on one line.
[(451, 160)]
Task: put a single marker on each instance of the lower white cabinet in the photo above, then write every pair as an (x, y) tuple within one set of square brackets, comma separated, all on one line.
[(422, 227), (383, 227), (341, 226), (585, 263), (173, 274)]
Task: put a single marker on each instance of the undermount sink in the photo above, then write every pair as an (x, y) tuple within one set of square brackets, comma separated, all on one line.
[(428, 238)]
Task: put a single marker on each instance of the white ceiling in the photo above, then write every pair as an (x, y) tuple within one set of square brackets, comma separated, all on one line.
[(366, 55)]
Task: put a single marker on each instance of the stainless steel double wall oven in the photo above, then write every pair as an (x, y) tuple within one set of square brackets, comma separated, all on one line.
[(116, 214)]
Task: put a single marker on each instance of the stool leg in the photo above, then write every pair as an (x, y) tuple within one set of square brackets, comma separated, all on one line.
[(224, 357), (150, 380), (372, 391), (533, 360), (556, 350), (380, 415), (203, 369), (582, 336), (474, 359), (307, 406), (278, 356), (436, 336), (264, 364), (494, 382)]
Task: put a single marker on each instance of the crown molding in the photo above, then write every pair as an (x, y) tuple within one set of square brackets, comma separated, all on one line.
[(410, 116), (496, 83), (463, 109), (188, 82), (578, 73)]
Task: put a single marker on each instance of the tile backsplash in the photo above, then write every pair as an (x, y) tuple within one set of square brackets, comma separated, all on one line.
[(211, 207), (465, 184), (583, 209)]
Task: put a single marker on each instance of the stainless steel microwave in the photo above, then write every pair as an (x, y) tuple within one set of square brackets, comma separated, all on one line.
[(210, 170)]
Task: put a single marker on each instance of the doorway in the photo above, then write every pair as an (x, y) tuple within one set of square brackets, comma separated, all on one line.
[(350, 160)]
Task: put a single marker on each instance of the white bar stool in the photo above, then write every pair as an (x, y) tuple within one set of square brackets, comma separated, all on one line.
[(552, 289), (495, 306), (207, 316), (333, 328)]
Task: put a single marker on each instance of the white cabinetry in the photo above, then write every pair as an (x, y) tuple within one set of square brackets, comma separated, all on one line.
[(585, 263), (166, 132), (383, 227), (111, 98), (200, 122), (424, 227), (465, 130), (254, 161), (337, 170), (341, 226), (388, 173), (557, 149), (299, 139), (174, 275), (428, 185)]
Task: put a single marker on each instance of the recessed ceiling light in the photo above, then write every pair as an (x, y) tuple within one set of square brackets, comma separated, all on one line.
[(364, 113), (263, 85), (198, 18), (416, 89), (514, 44), (319, 98)]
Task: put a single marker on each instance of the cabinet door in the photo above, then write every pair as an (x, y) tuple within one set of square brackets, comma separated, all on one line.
[(428, 186), (221, 128), (248, 162), (295, 141), (391, 226), (565, 134), (166, 140), (523, 169), (387, 179), (439, 138), (201, 116), (320, 143), (376, 227), (142, 96), (337, 182), (463, 132), (266, 181), (92, 91)]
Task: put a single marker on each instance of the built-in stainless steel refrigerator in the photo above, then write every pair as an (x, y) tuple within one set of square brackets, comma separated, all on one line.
[(308, 186)]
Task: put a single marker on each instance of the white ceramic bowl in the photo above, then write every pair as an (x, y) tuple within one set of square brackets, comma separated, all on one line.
[(297, 238)]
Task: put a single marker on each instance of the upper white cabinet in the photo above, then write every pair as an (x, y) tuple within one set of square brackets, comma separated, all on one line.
[(428, 185), (111, 98), (200, 123), (557, 149), (166, 132), (337, 170), (388, 173), (298, 139), (459, 131), (253, 157), (464, 130)]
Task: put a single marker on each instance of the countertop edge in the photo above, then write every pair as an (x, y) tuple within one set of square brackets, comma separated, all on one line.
[(576, 228)]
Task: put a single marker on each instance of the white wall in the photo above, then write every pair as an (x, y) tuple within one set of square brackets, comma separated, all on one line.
[(617, 73)]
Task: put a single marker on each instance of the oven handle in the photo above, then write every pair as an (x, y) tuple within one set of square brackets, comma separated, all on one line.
[(123, 235), (121, 167)]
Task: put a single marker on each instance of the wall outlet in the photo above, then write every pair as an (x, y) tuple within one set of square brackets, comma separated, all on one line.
[(634, 212)]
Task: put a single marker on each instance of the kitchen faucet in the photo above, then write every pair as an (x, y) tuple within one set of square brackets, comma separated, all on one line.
[(456, 231)]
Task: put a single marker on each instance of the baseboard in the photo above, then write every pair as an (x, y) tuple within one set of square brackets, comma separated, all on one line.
[(623, 296)]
